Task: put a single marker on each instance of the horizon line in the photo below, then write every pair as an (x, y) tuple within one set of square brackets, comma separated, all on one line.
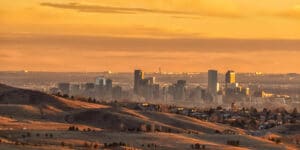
[(150, 72)]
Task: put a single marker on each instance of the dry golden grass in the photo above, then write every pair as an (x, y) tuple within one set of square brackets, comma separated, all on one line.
[(19, 118)]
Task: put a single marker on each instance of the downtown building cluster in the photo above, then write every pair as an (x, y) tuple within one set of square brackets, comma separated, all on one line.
[(144, 88), (101, 89), (230, 91)]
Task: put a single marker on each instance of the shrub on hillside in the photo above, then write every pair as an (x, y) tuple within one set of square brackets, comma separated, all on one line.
[(233, 142)]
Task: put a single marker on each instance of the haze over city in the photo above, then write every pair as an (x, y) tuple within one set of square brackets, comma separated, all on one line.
[(150, 74)]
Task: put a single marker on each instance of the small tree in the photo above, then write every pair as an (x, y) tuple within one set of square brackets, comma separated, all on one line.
[(89, 99), (197, 146), (218, 132), (278, 141), (86, 144), (295, 112), (71, 128), (65, 96), (96, 145)]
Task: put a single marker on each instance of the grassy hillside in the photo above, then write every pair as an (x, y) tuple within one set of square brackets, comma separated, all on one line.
[(35, 120)]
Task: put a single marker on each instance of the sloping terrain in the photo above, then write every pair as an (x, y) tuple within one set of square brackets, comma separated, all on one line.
[(35, 120), (10, 95), (30, 104)]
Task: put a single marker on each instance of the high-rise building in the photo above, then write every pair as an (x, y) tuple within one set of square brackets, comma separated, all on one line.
[(108, 89), (212, 87), (231, 87), (230, 77), (180, 90), (108, 85), (138, 77), (146, 89), (100, 81)]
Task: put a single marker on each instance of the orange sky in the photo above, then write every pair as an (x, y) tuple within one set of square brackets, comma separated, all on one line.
[(179, 36)]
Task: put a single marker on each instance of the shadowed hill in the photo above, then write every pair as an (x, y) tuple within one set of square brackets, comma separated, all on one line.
[(23, 113), (123, 119), (10, 95), (31, 104)]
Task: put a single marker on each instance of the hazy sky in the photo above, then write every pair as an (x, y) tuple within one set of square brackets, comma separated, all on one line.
[(176, 35)]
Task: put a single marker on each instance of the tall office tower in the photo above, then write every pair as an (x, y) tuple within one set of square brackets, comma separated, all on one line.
[(230, 83), (212, 82), (180, 90), (108, 85), (230, 77), (138, 77), (146, 89), (108, 89)]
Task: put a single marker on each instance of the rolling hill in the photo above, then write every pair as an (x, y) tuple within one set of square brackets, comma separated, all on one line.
[(28, 118)]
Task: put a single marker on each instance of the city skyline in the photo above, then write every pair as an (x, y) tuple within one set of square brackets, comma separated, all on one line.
[(150, 74), (222, 72)]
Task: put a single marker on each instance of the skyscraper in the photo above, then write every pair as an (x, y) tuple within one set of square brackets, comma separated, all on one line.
[(231, 86), (138, 77), (108, 85), (212, 82), (108, 88), (146, 88), (230, 77), (180, 90)]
